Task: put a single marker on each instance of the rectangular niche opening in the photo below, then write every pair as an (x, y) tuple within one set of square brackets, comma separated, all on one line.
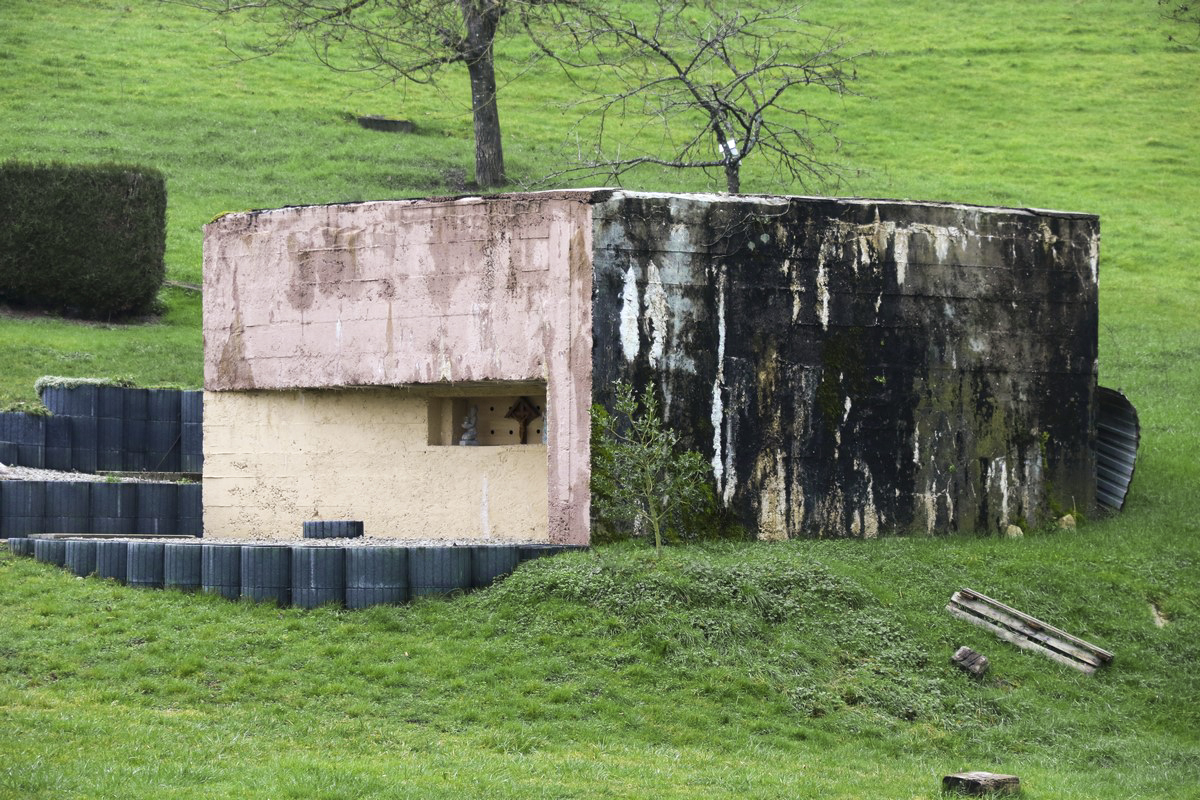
[(500, 413)]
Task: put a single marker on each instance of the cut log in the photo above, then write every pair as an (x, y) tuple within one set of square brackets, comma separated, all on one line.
[(969, 660), (981, 783)]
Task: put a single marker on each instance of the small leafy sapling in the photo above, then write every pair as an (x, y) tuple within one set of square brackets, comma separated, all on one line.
[(640, 479)]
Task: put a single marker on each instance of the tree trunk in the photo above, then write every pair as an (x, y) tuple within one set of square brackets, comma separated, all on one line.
[(733, 180), (481, 18)]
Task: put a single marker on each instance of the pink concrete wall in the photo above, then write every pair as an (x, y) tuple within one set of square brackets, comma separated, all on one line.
[(414, 292)]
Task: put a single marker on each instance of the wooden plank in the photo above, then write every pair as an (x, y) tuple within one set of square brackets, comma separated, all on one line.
[(1020, 627), (1104, 654), (1020, 641)]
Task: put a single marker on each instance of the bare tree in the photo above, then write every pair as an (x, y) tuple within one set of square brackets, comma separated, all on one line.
[(705, 86), (409, 40)]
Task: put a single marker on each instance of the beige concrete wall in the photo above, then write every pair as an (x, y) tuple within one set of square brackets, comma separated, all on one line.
[(276, 458), (411, 294)]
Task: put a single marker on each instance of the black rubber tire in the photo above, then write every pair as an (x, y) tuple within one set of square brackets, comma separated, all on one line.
[(267, 574), (376, 576), (145, 569), (221, 570), (112, 559), (157, 508), (114, 508), (110, 444), (80, 557), (332, 529), (68, 507), (438, 571), (20, 546), (85, 441), (318, 576), (189, 509), (50, 551), (22, 506), (489, 563), (58, 443), (182, 567)]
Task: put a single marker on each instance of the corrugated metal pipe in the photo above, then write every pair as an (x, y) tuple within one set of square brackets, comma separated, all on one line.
[(1117, 437)]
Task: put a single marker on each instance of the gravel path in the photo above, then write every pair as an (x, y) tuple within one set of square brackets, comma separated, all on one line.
[(33, 474)]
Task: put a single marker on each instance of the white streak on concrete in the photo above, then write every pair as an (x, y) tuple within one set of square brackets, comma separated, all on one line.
[(941, 241), (870, 517), (657, 315), (730, 469), (823, 285), (717, 414), (485, 523), (1003, 492), (900, 248), (1094, 258), (772, 514), (630, 338)]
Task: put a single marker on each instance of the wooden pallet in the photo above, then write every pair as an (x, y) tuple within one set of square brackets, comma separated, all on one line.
[(1027, 632)]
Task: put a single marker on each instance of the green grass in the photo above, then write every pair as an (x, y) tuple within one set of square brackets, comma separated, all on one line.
[(611, 676), (809, 669)]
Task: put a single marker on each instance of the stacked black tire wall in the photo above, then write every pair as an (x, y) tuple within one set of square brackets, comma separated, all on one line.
[(306, 576), (108, 428), (30, 507)]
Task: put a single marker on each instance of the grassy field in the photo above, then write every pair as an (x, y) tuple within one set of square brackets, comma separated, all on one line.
[(811, 669), (1078, 105), (802, 670)]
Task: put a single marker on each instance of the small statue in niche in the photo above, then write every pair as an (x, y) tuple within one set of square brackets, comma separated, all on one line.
[(523, 412), (469, 437)]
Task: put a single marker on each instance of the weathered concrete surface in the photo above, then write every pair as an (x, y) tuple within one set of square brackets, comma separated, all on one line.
[(859, 367), (850, 367), (405, 293), (277, 458)]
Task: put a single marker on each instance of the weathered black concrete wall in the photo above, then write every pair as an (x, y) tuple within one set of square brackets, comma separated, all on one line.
[(859, 367)]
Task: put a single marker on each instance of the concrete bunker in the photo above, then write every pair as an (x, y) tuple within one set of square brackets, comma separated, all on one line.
[(851, 367)]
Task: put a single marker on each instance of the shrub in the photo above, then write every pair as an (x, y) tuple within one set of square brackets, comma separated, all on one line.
[(640, 480), (85, 240)]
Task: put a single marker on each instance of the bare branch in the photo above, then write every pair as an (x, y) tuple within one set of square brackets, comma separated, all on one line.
[(400, 40), (734, 77)]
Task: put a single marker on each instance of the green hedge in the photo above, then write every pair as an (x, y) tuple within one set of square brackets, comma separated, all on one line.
[(85, 240)]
